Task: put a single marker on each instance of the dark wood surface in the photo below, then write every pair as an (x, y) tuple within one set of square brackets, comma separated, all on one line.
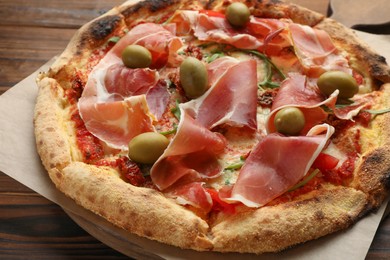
[(31, 227)]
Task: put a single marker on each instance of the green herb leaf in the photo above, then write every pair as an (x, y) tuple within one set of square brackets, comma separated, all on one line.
[(214, 56), (114, 39), (236, 165), (176, 110), (305, 181), (169, 132), (378, 112), (268, 60)]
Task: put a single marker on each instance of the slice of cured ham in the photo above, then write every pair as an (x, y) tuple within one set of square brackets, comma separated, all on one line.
[(215, 28), (276, 164), (232, 99), (119, 103), (316, 51), (295, 92), (193, 153), (160, 40), (193, 194), (299, 91), (117, 122)]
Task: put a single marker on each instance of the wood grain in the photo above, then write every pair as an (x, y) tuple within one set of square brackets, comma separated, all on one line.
[(31, 227)]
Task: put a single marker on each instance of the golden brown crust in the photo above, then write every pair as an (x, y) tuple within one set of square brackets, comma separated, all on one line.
[(48, 119), (275, 9), (372, 65), (373, 172), (275, 228), (142, 211), (147, 212)]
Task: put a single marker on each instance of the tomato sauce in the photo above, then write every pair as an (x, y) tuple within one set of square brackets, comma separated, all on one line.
[(219, 205), (343, 174), (313, 184), (88, 144), (130, 171), (266, 98)]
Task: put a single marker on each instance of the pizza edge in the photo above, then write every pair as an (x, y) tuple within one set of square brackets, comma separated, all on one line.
[(363, 58), (223, 234), (86, 184)]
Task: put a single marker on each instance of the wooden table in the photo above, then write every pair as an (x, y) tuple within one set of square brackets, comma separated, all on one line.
[(31, 227)]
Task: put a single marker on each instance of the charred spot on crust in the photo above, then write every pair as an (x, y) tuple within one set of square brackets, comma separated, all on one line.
[(156, 5), (151, 5), (97, 31), (386, 180), (374, 159), (319, 215), (378, 66), (379, 158), (103, 27)]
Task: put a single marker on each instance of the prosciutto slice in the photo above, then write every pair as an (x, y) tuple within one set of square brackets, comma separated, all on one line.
[(193, 153), (295, 92), (193, 194), (160, 40), (232, 99), (215, 28), (116, 123), (316, 51), (276, 164), (119, 103), (299, 91)]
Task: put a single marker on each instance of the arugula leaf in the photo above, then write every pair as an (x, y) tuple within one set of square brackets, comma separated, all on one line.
[(267, 60), (304, 181), (176, 110), (114, 39), (378, 112), (236, 165), (214, 56), (172, 131)]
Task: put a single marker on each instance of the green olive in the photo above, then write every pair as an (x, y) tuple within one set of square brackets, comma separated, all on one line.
[(289, 121), (147, 147), (136, 56), (237, 14), (332, 80), (193, 77)]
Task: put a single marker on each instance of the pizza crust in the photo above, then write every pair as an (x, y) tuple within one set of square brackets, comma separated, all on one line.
[(362, 58), (275, 228), (49, 121), (372, 175), (275, 9), (147, 212), (142, 211)]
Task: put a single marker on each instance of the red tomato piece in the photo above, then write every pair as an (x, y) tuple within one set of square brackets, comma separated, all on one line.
[(220, 205), (325, 162), (212, 13)]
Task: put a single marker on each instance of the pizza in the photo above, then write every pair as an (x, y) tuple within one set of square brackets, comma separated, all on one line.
[(217, 125)]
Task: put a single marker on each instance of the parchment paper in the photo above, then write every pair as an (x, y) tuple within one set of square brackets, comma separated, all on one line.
[(19, 160)]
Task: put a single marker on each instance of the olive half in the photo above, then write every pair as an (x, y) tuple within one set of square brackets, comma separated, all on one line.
[(237, 14), (193, 77), (136, 56), (289, 121), (329, 81), (147, 147)]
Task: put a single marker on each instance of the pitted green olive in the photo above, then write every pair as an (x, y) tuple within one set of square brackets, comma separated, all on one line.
[(147, 147), (237, 14), (193, 77), (136, 56), (289, 121), (332, 80)]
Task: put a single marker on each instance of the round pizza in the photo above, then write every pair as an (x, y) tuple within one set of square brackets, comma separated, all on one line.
[(229, 126)]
